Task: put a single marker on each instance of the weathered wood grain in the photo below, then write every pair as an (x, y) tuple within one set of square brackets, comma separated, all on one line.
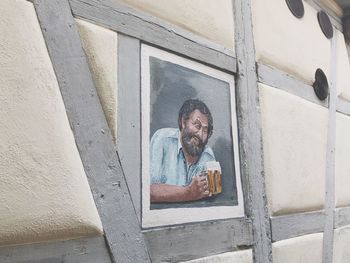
[(250, 134), (91, 132), (343, 106), (192, 241), (85, 250), (330, 159), (281, 80), (129, 115), (293, 225), (342, 217), (149, 29)]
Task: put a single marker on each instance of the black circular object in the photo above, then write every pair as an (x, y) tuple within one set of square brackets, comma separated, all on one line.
[(296, 7), (321, 85), (325, 24)]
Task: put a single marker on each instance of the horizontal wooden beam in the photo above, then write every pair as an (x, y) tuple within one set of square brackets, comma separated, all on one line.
[(343, 106), (190, 241), (279, 79), (84, 250), (342, 217), (293, 225), (121, 18)]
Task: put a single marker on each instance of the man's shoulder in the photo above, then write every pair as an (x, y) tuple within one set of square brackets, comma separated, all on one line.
[(209, 151)]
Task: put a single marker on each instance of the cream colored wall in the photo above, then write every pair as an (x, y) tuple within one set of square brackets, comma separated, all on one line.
[(303, 249), (101, 48), (294, 45), (342, 67), (44, 193), (294, 140), (243, 256), (342, 161), (210, 19), (341, 252)]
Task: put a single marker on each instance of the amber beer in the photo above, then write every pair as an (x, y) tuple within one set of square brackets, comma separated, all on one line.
[(214, 177)]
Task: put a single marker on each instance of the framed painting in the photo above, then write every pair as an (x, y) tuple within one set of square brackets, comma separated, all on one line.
[(190, 159)]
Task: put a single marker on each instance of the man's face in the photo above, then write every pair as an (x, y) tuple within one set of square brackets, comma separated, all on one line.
[(194, 134)]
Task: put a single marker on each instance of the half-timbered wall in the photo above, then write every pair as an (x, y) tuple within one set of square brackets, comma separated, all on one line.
[(70, 133)]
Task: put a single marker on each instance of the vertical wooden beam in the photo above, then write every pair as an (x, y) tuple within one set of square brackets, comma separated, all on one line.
[(91, 132), (330, 166), (250, 134), (129, 115)]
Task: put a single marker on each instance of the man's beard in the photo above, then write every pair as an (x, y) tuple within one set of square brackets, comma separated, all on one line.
[(193, 149)]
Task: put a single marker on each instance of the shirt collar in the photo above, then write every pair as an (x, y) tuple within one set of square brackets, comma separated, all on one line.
[(179, 145)]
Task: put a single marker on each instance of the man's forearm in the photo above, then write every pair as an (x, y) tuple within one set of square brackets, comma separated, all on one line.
[(169, 193)]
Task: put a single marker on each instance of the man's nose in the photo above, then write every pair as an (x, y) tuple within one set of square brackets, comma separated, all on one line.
[(200, 133)]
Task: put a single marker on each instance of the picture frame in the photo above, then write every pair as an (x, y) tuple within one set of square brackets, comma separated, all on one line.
[(167, 80)]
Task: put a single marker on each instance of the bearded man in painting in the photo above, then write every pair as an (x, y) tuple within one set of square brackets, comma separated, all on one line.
[(178, 156)]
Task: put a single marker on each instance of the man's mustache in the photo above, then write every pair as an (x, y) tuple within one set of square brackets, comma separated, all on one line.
[(198, 139)]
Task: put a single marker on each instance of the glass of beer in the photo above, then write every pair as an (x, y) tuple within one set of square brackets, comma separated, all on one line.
[(213, 172)]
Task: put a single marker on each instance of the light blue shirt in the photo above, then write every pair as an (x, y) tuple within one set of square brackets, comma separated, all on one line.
[(167, 162)]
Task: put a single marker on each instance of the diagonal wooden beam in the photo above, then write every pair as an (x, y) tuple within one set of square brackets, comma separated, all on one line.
[(91, 132)]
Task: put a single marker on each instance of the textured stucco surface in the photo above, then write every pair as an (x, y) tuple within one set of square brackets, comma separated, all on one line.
[(342, 161), (294, 140), (101, 47), (303, 249), (210, 19), (294, 45), (342, 67), (244, 256), (341, 252), (44, 193)]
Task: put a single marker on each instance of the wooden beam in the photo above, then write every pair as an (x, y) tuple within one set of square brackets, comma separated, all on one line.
[(117, 16), (91, 132)]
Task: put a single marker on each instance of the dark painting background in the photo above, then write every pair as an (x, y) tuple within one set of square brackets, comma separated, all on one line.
[(170, 86)]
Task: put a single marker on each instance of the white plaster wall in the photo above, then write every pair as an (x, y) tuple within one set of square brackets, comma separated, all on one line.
[(101, 48), (342, 67), (294, 140), (294, 45), (244, 256), (342, 161), (341, 252), (303, 249), (44, 193), (210, 19)]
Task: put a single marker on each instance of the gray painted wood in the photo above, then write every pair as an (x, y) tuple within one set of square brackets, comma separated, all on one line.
[(129, 115), (121, 18), (91, 132), (85, 250), (173, 243), (343, 106), (192, 241), (342, 217), (250, 134), (293, 225), (330, 158), (276, 78)]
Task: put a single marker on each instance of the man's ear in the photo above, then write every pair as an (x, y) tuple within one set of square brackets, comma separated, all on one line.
[(183, 123)]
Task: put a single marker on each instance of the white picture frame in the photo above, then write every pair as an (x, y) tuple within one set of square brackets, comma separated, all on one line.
[(174, 216)]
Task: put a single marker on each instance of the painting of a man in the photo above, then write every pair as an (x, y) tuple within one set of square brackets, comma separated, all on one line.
[(178, 156)]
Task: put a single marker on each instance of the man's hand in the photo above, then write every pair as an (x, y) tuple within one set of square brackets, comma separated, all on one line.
[(198, 188)]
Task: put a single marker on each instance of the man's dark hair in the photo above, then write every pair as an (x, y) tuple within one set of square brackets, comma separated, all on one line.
[(191, 105)]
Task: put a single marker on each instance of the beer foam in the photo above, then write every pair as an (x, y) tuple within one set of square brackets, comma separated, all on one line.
[(213, 165)]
